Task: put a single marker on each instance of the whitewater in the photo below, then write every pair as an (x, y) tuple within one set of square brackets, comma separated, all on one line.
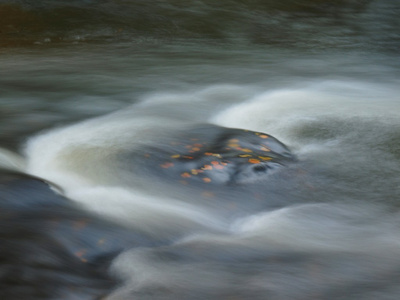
[(96, 96)]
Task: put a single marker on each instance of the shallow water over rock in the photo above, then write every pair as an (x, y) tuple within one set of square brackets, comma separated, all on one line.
[(230, 150)]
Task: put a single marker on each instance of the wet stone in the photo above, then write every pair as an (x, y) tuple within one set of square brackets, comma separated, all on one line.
[(30, 212), (216, 155)]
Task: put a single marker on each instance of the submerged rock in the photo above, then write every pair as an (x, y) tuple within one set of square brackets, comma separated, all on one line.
[(52, 249), (42, 230), (215, 155)]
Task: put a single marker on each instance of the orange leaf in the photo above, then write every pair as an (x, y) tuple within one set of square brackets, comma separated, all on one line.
[(265, 157), (167, 165), (254, 161), (247, 150)]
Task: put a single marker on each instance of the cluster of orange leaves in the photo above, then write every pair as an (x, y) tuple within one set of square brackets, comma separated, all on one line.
[(232, 144)]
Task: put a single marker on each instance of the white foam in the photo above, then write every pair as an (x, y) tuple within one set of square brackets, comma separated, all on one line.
[(163, 217), (11, 161), (280, 112), (333, 232), (79, 158), (83, 160), (323, 227), (83, 151)]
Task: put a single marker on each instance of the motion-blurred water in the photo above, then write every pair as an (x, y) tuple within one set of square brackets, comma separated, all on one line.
[(83, 82)]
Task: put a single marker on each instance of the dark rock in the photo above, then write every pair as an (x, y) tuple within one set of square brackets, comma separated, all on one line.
[(215, 155), (51, 249)]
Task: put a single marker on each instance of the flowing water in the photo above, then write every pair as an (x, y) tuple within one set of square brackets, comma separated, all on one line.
[(85, 85)]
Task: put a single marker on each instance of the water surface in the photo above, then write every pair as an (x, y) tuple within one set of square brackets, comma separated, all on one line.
[(85, 85)]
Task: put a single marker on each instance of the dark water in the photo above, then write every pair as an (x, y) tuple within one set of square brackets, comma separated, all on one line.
[(86, 86)]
